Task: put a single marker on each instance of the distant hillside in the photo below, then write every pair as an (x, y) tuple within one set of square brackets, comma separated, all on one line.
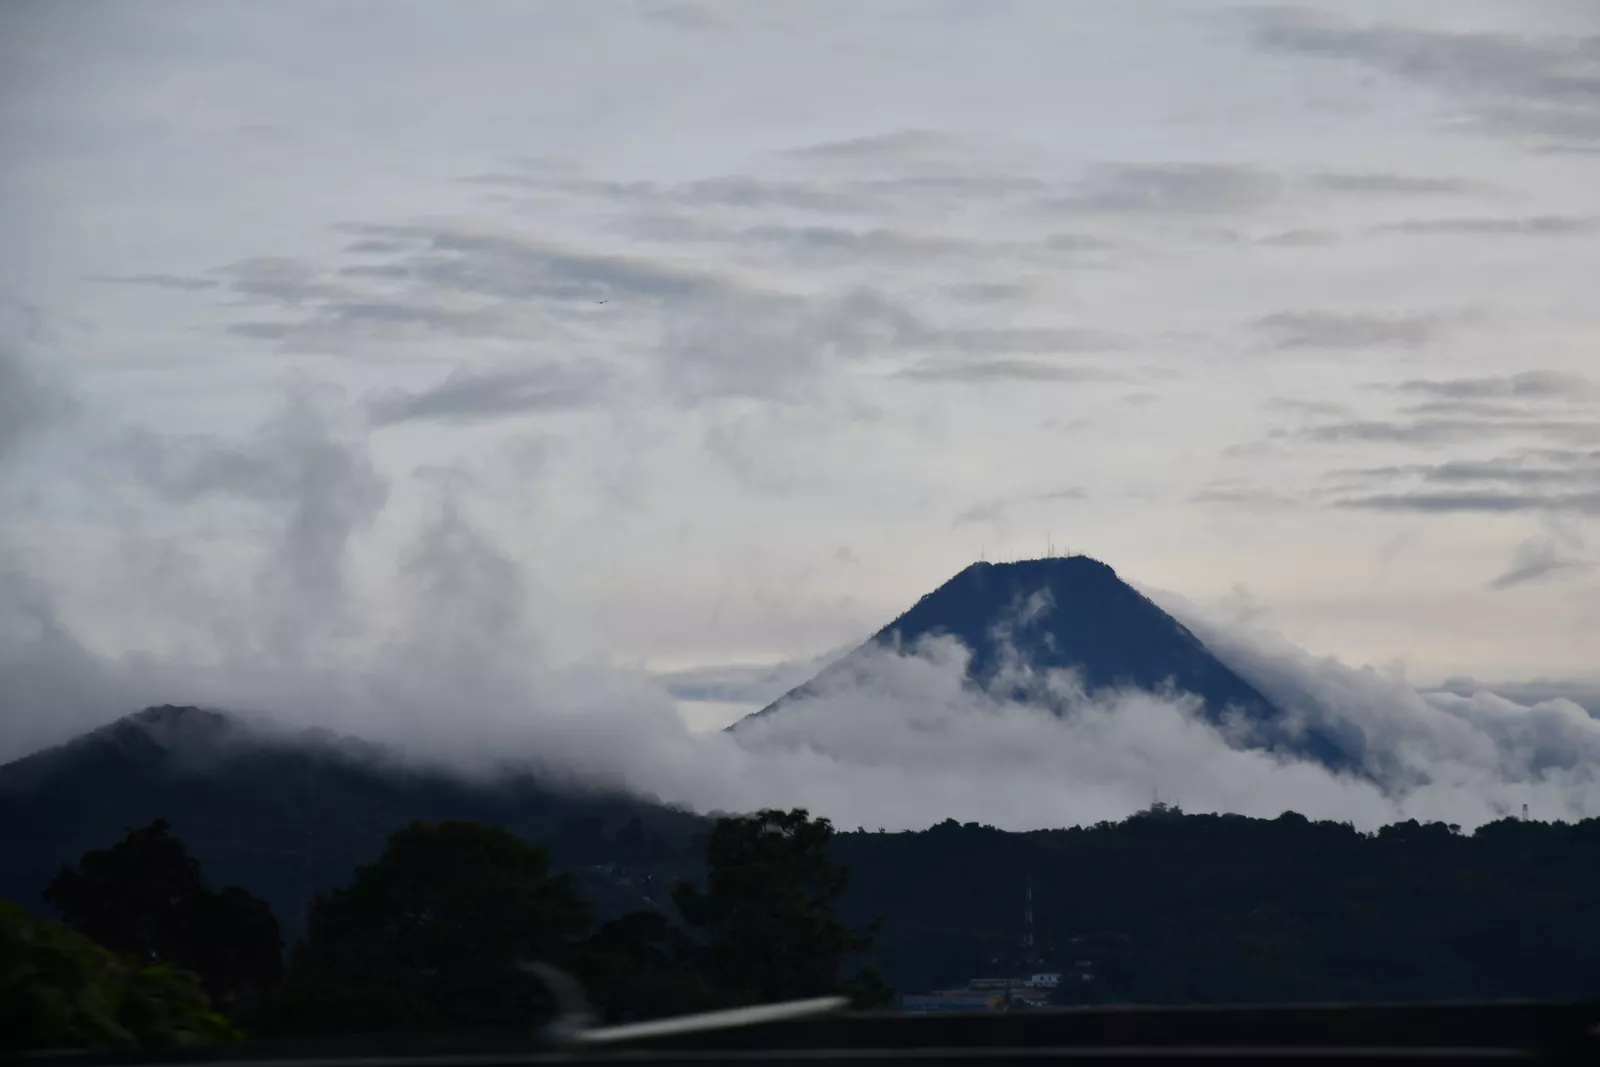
[(1072, 612), (1209, 909), (1160, 908), (289, 816)]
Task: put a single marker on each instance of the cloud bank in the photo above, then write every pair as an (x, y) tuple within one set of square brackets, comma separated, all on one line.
[(441, 652)]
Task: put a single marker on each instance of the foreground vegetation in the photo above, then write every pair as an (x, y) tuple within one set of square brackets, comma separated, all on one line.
[(1160, 908), (427, 937), (58, 989)]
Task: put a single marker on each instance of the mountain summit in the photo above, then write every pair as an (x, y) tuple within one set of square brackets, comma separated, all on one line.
[(1074, 613)]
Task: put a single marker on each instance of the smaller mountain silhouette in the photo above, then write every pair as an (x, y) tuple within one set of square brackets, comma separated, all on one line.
[(1071, 613), (287, 815)]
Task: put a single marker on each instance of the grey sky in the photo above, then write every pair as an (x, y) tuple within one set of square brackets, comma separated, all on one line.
[(739, 326)]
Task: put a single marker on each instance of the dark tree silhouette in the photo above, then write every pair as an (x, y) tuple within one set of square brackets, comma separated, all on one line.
[(641, 966), (236, 946), (1167, 907), (144, 897), (135, 897), (430, 933), (767, 911)]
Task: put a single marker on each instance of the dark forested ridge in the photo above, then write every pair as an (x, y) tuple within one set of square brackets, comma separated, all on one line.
[(1163, 907), (290, 817), (456, 927), (1172, 908)]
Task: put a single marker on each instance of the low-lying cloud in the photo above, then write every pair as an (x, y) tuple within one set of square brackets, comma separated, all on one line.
[(444, 660)]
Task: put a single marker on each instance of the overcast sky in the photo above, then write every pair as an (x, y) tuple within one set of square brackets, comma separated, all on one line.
[(738, 327)]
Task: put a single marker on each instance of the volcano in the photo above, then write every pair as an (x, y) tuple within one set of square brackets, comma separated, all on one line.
[(1073, 613)]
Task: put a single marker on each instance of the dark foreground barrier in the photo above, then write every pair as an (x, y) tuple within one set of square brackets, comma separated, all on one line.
[(1526, 1032)]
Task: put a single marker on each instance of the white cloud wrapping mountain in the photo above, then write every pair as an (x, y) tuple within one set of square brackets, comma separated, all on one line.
[(443, 654)]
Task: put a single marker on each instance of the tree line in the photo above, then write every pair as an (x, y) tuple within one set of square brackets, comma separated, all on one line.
[(429, 936), (1161, 908), (1171, 908)]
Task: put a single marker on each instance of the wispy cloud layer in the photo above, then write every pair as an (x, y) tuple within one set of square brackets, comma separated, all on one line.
[(455, 673), (1519, 84)]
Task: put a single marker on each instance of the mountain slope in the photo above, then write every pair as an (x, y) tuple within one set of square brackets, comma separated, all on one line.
[(287, 816), (1072, 613)]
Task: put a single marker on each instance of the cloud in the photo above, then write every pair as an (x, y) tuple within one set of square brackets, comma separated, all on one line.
[(1000, 370), (29, 401), (1423, 748), (1529, 226), (1522, 85), (1305, 238), (1078, 242), (984, 513), (1174, 189), (990, 292), (1392, 184), (792, 348), (1583, 692), (851, 245), (1433, 431), (778, 347), (744, 683), (1479, 501), (1542, 558), (455, 670), (179, 282), (280, 280), (688, 16), (1529, 469), (467, 283), (765, 194), (897, 145), (468, 395), (935, 188), (985, 339), (314, 480), (375, 246), (829, 244), (1298, 406), (733, 192), (1238, 493), (1568, 149), (1337, 329), (1528, 385), (508, 264)]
